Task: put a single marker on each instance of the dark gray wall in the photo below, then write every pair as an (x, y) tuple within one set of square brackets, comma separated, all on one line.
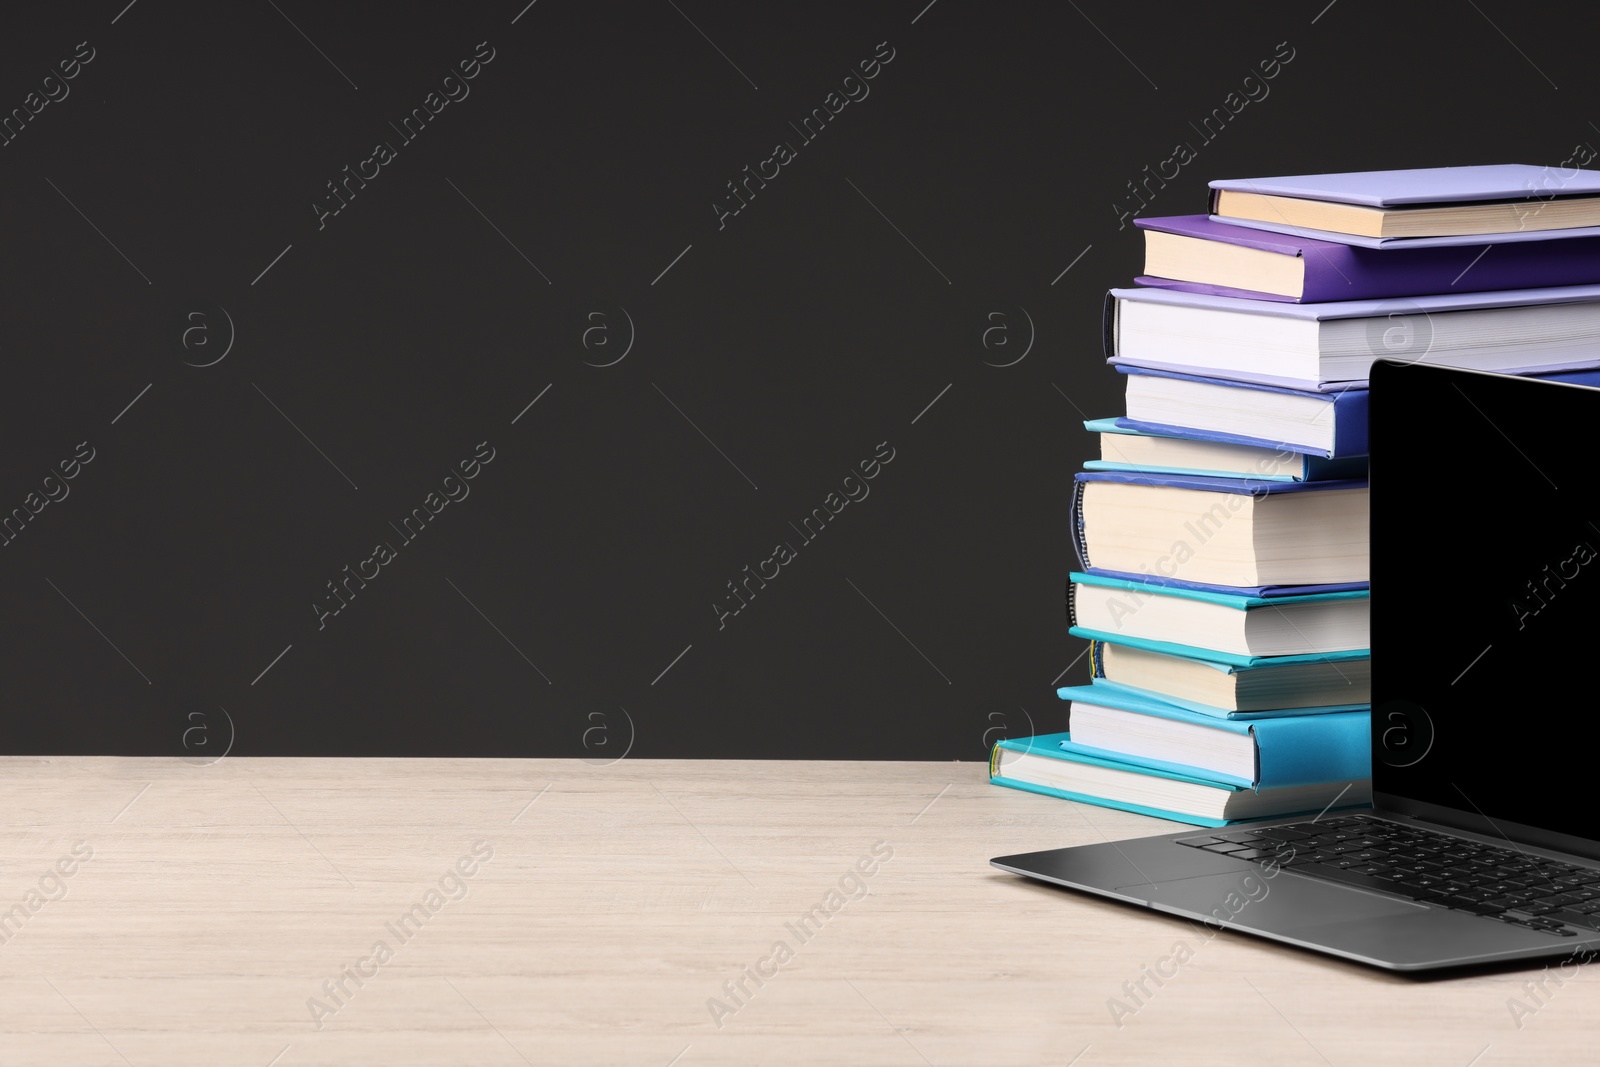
[(922, 280)]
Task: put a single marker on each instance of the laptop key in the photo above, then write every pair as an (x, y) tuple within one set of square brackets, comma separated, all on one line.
[(1348, 876), (1580, 878), (1300, 859), (1284, 834), (1478, 907)]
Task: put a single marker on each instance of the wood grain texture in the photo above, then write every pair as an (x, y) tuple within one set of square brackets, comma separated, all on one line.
[(617, 902)]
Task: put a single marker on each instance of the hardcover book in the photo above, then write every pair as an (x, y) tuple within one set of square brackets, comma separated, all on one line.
[(1222, 531), (1260, 753), (1126, 446), (1425, 202), (1230, 627), (1314, 345), (1052, 765), (1218, 685), (1197, 254)]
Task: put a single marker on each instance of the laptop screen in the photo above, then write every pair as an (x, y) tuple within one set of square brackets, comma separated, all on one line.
[(1486, 601)]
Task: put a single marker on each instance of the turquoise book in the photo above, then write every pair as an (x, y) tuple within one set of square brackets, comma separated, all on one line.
[(1054, 765), (1236, 626), (1218, 684), (1265, 753)]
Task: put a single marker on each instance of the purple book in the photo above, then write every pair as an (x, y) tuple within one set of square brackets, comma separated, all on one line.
[(1339, 271)]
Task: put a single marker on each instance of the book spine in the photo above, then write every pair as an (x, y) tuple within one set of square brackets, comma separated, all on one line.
[(1151, 281), (1080, 543), (1108, 326), (1346, 272), (1299, 750), (1349, 423), (1319, 468)]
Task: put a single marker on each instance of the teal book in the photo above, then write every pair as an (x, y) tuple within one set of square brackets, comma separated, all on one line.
[(1217, 684), (1053, 765), (1265, 753), (1216, 624)]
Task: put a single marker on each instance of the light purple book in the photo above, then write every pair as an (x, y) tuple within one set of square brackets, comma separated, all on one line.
[(1426, 185), (1518, 182)]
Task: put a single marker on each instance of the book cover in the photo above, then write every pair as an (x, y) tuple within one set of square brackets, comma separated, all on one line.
[(1397, 244), (1374, 308), (1229, 660), (1256, 487), (1226, 595)]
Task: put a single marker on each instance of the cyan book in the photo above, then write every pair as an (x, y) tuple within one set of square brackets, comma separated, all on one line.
[(1342, 677), (1283, 751), (1053, 765), (1245, 627)]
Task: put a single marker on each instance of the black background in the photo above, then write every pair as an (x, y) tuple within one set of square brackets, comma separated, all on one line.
[(565, 608)]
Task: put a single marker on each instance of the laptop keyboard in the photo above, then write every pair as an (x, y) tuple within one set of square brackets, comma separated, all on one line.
[(1426, 866)]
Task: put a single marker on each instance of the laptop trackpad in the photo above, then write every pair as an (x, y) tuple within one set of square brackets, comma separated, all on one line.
[(1284, 901)]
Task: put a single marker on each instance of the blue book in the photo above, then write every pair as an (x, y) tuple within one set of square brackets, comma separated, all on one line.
[(1053, 765), (1312, 345), (1118, 723), (1127, 447), (1266, 688), (1325, 421), (1221, 531), (1230, 626), (1328, 419)]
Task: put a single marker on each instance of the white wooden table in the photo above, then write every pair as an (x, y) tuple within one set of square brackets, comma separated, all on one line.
[(278, 911)]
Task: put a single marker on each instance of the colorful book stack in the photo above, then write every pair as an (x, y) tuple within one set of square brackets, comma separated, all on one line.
[(1223, 532)]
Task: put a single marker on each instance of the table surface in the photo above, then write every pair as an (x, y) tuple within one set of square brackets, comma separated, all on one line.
[(323, 911)]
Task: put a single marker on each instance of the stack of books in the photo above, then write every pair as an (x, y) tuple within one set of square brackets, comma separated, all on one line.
[(1223, 532)]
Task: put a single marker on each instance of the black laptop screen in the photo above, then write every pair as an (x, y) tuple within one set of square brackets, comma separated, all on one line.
[(1486, 600)]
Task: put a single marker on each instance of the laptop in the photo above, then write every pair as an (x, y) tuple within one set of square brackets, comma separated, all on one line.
[(1482, 845)]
